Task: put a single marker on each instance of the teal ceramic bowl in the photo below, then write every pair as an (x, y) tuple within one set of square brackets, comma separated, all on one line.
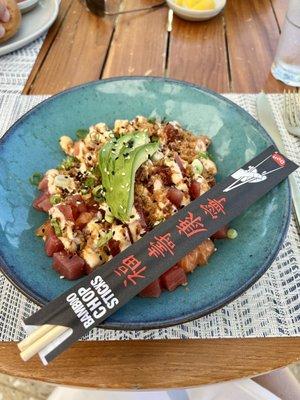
[(32, 145)]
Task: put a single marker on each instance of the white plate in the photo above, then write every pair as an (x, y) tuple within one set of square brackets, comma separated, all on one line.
[(33, 25), (27, 5)]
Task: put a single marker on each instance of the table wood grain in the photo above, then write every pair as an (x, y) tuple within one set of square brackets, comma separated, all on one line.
[(231, 53), (139, 43), (159, 364)]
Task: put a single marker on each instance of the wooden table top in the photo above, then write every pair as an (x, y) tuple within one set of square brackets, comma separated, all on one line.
[(231, 53)]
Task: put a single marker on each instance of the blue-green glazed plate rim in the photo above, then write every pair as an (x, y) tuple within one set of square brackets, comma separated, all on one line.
[(189, 316)]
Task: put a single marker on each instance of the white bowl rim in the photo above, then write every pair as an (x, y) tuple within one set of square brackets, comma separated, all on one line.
[(199, 12), (27, 3)]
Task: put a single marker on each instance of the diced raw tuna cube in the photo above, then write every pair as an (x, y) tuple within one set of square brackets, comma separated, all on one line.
[(175, 196), (53, 245), (114, 247), (77, 204), (152, 290), (66, 209), (173, 278), (43, 185), (74, 199), (42, 203), (93, 208), (194, 190), (45, 205), (70, 266)]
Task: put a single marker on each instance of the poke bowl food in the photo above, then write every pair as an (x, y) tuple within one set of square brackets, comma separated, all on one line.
[(31, 145), (117, 184)]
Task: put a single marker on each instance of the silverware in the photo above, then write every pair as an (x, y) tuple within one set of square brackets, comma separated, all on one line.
[(291, 113), (267, 120)]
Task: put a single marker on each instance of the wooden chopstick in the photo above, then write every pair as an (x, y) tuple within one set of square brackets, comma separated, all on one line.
[(40, 341), (41, 331)]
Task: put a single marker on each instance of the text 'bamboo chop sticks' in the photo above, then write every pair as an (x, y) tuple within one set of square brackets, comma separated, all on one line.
[(39, 339)]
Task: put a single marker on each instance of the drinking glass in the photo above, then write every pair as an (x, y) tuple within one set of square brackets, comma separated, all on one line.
[(286, 66)]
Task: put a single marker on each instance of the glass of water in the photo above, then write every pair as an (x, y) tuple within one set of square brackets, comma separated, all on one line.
[(286, 66)]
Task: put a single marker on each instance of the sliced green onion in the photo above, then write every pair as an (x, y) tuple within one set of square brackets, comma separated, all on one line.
[(197, 166), (203, 154), (95, 171), (98, 193), (55, 199), (210, 156), (232, 233), (104, 239), (89, 182), (84, 191), (56, 227), (69, 162), (82, 133), (151, 120), (36, 178)]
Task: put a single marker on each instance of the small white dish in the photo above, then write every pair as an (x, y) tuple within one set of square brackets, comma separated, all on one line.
[(196, 15), (33, 25), (27, 5)]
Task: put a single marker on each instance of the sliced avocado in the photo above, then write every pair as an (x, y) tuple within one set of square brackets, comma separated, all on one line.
[(111, 150), (103, 158), (126, 144), (121, 197), (131, 141), (118, 162)]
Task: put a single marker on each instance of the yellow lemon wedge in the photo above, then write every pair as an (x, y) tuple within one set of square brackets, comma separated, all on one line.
[(200, 5)]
